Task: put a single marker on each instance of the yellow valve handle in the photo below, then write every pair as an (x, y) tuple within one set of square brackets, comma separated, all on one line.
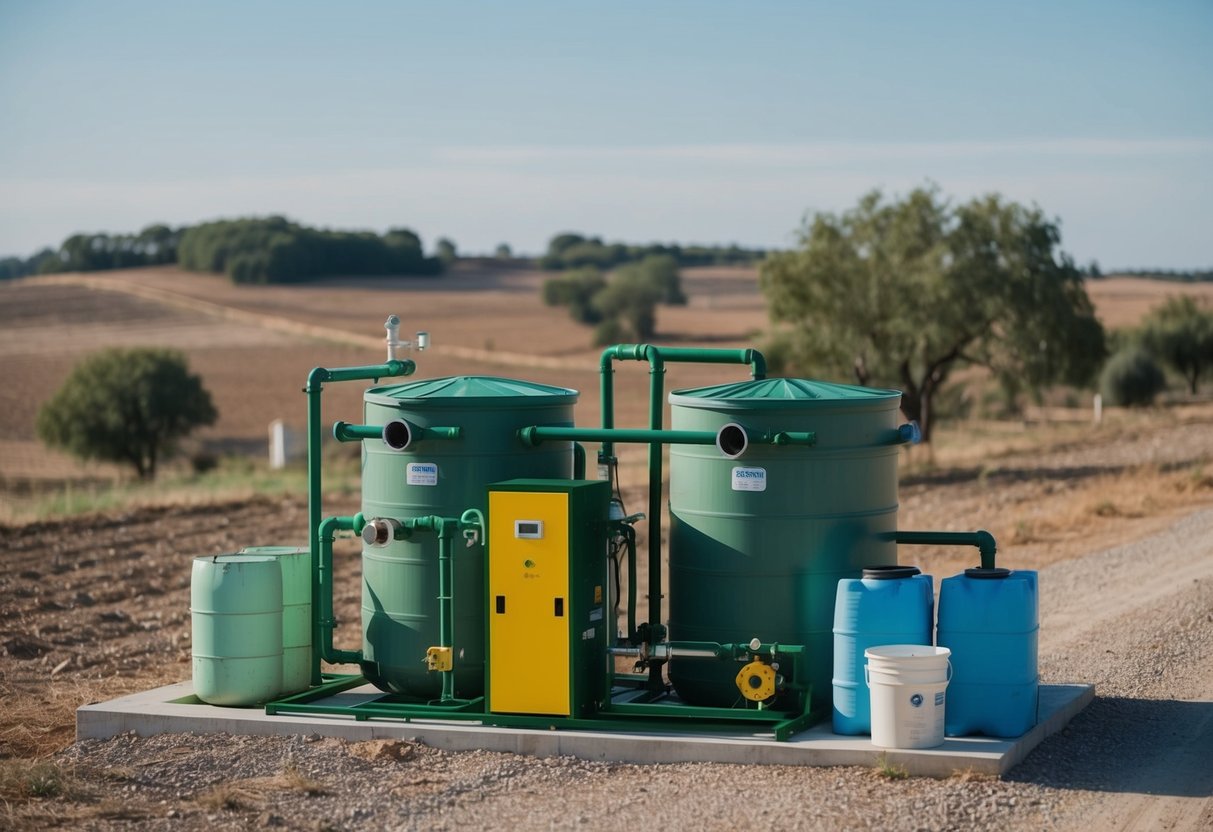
[(756, 681)]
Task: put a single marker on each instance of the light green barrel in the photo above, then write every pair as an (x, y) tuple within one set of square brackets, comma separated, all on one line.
[(430, 476), (296, 564), (236, 612), (759, 542)]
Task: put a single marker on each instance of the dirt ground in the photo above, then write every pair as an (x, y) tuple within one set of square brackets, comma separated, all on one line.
[(92, 607)]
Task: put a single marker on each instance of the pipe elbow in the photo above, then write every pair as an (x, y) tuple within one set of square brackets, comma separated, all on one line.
[(986, 542)]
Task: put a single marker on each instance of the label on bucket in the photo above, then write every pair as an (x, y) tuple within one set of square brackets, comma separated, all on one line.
[(421, 473), (749, 479)]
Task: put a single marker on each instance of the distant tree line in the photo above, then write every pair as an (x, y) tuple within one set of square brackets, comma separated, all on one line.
[(574, 251), (276, 250), (153, 246), (249, 250), (1177, 275)]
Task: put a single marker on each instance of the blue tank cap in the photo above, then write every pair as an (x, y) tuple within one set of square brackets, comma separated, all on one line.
[(995, 573), (888, 573)]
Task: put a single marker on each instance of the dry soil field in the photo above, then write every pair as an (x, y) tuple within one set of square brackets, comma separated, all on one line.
[(1119, 518)]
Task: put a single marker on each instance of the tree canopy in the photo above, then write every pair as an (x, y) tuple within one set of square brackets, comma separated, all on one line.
[(1180, 333), (901, 293), (623, 306), (569, 250), (126, 405), (276, 250)]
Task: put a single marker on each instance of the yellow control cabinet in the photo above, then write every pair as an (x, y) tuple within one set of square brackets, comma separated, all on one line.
[(546, 615)]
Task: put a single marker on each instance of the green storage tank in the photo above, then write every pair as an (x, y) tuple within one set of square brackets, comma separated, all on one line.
[(760, 537), (296, 563), (407, 474), (236, 619)]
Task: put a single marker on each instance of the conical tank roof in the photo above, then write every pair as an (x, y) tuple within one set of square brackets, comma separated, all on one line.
[(783, 393), (469, 390)]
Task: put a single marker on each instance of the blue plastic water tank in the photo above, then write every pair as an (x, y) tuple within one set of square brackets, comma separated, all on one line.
[(989, 619), (888, 605)]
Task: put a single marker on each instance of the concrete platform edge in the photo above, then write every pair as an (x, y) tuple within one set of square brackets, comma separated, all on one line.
[(153, 712)]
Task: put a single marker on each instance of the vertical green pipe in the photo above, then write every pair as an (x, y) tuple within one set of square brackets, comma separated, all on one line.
[(656, 386), (323, 621), (657, 358), (315, 386), (578, 461), (446, 613), (629, 534)]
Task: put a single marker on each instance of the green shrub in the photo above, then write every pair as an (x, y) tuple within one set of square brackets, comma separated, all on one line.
[(1131, 378)]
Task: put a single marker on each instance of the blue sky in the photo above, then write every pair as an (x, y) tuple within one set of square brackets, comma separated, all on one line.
[(691, 122)]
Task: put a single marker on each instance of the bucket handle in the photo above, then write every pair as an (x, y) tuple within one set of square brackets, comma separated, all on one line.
[(867, 679)]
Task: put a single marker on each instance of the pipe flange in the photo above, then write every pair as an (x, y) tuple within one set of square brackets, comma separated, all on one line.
[(756, 681)]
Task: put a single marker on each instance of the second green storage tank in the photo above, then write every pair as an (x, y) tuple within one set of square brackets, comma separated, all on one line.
[(759, 542), (410, 474)]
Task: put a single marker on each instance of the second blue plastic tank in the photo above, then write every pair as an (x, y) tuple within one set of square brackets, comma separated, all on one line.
[(888, 605), (989, 619)]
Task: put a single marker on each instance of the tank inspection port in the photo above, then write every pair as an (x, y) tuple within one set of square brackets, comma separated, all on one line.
[(397, 435), (731, 440)]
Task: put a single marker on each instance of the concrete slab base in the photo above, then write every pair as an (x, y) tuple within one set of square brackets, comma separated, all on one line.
[(173, 709)]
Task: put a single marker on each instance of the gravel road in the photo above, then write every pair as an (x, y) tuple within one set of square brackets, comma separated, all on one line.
[(1136, 621)]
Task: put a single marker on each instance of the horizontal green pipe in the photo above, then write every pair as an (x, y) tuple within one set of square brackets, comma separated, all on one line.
[(534, 435), (983, 540), (686, 355), (345, 432), (389, 369)]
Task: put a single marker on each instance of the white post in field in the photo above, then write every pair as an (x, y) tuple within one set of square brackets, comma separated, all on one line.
[(1098, 402), (277, 444)]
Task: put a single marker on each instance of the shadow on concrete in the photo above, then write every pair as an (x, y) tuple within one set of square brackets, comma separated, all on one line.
[(1144, 746)]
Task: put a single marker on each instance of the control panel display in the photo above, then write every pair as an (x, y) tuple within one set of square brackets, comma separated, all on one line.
[(528, 529)]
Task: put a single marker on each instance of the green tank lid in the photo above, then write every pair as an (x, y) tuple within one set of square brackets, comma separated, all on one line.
[(782, 393), (469, 390)]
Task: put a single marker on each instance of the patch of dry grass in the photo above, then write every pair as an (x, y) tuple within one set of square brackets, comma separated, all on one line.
[(228, 797), (249, 794), (1140, 492), (41, 721), (25, 780)]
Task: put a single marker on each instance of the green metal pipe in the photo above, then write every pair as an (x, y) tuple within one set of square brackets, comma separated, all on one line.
[(578, 461), (629, 534), (982, 539), (345, 432), (316, 380), (446, 528), (323, 622), (657, 358), (535, 435)]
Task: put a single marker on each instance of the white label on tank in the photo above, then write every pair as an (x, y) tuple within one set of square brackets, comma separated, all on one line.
[(749, 479), (421, 473)]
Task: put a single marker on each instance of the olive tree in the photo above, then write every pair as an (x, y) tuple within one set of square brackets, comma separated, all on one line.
[(902, 293), (126, 405), (1180, 333)]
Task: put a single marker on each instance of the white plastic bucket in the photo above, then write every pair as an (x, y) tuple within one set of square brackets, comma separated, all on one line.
[(907, 683)]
